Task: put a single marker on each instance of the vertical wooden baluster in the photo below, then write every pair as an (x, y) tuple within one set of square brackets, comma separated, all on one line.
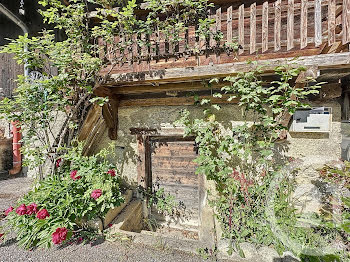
[(154, 45), (303, 24), (218, 21), (277, 25), (134, 51), (186, 41), (130, 50), (161, 44), (218, 29), (290, 25), (318, 23), (148, 49), (122, 52), (265, 27), (253, 28), (158, 44), (346, 21), (240, 28), (212, 29), (331, 22), (118, 53), (143, 52), (102, 47), (229, 24)]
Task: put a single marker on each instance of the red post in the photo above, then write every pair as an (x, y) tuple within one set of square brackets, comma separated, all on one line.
[(16, 147)]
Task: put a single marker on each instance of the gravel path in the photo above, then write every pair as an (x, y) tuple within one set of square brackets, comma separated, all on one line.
[(12, 189), (102, 252)]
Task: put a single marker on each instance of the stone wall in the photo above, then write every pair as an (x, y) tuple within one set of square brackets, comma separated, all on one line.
[(312, 151)]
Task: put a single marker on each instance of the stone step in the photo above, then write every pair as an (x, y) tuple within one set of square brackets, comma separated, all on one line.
[(130, 219), (101, 224)]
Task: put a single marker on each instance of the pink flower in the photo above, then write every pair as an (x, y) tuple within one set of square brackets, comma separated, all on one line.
[(58, 162), (32, 208), (21, 210), (73, 174), (96, 193), (9, 210), (111, 172), (59, 235), (42, 214)]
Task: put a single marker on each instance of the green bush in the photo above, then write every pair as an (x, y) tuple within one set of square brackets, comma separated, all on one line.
[(82, 188)]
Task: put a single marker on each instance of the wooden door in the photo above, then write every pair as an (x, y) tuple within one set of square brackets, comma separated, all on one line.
[(173, 169)]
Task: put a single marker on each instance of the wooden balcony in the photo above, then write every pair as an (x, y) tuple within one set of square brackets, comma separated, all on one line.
[(316, 31)]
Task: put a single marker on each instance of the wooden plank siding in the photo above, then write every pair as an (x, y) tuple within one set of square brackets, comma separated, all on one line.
[(9, 70), (269, 28)]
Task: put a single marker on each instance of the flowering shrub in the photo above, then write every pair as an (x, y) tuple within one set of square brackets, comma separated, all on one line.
[(82, 188)]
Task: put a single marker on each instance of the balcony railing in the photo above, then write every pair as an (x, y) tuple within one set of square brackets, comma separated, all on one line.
[(283, 28)]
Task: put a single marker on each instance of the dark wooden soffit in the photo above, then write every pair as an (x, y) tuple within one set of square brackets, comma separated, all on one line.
[(323, 62)]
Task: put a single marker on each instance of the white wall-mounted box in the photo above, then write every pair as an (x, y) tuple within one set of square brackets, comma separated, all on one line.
[(316, 119)]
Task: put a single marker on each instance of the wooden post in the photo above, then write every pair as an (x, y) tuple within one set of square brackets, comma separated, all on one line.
[(110, 114), (277, 25)]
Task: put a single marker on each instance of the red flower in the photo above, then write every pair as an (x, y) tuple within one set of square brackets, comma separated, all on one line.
[(73, 174), (21, 210), (58, 162), (9, 210), (59, 235), (32, 208), (42, 214), (111, 172), (1, 234), (96, 193)]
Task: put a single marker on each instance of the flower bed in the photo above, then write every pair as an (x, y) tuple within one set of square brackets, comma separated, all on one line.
[(81, 188)]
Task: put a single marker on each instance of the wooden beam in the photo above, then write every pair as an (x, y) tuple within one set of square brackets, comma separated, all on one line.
[(90, 121), (325, 61), (180, 87), (173, 101), (110, 114)]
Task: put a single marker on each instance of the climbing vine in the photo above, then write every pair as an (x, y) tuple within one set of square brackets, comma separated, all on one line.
[(243, 159), (92, 36)]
